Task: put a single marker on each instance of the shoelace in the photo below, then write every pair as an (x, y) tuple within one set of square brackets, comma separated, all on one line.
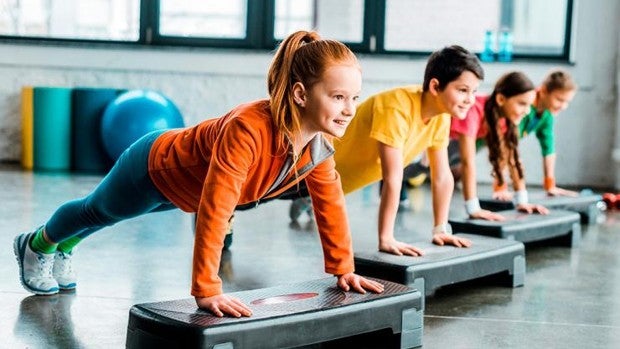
[(45, 265), (64, 266)]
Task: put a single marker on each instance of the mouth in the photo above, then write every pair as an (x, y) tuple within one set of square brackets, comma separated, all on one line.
[(462, 110), (341, 122)]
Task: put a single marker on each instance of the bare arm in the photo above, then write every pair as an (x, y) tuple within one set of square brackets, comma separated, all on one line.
[(467, 148), (442, 187), (521, 195), (392, 174), (549, 182)]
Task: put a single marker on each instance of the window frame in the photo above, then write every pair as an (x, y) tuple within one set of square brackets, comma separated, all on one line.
[(260, 36)]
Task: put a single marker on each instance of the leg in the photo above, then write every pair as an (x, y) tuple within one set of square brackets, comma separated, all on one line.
[(301, 201), (126, 192)]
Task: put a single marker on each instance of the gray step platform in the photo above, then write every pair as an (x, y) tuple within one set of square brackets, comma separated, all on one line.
[(559, 225), (289, 316), (446, 265), (587, 205)]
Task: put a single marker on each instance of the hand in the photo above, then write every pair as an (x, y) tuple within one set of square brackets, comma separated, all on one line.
[(503, 195), (487, 215), (358, 283), (532, 208), (555, 191), (399, 248), (445, 239), (222, 304)]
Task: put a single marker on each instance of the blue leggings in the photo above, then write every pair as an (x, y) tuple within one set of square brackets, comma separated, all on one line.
[(125, 192)]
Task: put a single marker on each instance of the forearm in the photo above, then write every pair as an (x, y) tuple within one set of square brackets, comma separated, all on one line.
[(442, 187), (470, 186), (388, 208), (549, 171)]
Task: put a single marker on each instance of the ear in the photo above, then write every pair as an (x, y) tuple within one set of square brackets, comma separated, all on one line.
[(299, 94), (433, 87), (500, 99)]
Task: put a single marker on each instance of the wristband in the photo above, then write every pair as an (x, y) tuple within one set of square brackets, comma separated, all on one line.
[(549, 183), (497, 187), (521, 197), (443, 228), (472, 206)]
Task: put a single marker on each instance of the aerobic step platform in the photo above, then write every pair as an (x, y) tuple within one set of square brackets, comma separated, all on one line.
[(587, 205), (446, 265), (559, 225), (289, 316)]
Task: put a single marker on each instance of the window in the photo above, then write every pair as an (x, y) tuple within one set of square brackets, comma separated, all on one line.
[(110, 20), (340, 20), (424, 26), (215, 19), (368, 26)]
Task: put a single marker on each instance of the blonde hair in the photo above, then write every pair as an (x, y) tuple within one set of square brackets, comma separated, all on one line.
[(559, 80), (302, 57)]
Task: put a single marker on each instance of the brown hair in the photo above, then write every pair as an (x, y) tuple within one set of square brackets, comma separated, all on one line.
[(447, 65), (506, 151), (559, 80), (302, 57)]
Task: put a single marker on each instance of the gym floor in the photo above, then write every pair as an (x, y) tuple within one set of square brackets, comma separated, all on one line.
[(570, 298)]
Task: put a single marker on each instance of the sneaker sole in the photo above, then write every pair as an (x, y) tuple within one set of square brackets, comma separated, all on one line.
[(69, 287), (19, 248)]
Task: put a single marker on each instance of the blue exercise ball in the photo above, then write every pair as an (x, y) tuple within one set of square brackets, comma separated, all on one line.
[(134, 114)]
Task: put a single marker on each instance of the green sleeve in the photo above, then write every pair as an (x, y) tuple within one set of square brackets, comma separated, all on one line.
[(544, 133)]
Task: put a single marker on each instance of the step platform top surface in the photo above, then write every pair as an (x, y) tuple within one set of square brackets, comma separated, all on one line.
[(433, 253), (292, 299), (541, 197), (515, 218)]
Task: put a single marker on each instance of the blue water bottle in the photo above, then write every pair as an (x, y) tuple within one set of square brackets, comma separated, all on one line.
[(488, 52), (505, 46)]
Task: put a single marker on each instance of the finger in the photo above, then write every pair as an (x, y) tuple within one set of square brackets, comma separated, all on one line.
[(228, 309), (241, 307), (495, 217), (372, 286), (216, 311), (342, 284), (438, 241), (412, 251), (455, 242), (395, 250), (354, 282), (465, 242)]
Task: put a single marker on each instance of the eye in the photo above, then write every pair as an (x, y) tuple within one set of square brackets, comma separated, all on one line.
[(356, 98), (339, 97)]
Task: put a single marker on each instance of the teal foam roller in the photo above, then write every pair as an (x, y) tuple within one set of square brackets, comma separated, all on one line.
[(87, 152), (52, 128)]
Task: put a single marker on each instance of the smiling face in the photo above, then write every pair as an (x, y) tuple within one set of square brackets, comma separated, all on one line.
[(556, 100), (515, 107), (329, 105), (459, 95)]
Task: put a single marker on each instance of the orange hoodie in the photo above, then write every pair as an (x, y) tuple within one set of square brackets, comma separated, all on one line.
[(239, 159)]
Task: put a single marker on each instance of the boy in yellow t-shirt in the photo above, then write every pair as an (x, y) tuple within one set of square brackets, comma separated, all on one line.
[(393, 127)]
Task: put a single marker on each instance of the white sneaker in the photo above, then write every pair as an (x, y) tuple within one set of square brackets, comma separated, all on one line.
[(35, 269), (63, 271)]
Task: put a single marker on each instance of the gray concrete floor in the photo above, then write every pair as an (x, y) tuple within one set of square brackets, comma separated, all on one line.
[(570, 298)]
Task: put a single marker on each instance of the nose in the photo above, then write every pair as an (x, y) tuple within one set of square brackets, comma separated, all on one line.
[(349, 108)]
